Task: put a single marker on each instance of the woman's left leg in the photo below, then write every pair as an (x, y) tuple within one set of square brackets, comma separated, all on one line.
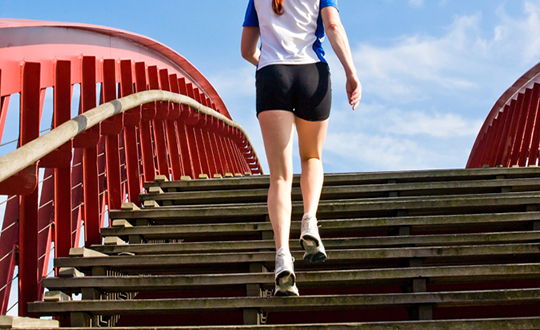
[(311, 136)]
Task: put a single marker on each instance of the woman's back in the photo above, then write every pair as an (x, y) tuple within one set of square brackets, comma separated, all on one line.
[(295, 36)]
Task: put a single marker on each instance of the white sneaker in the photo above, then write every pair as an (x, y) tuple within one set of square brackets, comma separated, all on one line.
[(284, 275), (311, 241)]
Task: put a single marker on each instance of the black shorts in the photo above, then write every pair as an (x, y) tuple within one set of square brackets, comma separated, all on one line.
[(302, 89)]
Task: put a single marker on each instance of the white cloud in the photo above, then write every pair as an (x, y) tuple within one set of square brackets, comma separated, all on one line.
[(442, 125), (416, 3), (516, 36)]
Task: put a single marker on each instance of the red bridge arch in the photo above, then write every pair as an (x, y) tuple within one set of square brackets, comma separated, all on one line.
[(510, 135)]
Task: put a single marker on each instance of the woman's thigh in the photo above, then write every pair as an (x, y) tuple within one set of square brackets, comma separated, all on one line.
[(277, 127)]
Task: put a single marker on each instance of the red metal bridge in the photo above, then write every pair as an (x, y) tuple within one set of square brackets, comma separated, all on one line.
[(64, 70), (114, 110)]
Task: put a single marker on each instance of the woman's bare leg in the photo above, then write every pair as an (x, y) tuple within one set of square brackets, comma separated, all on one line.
[(311, 136), (277, 128)]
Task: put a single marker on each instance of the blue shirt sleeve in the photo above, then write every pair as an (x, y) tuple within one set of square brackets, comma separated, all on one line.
[(251, 18), (327, 3)]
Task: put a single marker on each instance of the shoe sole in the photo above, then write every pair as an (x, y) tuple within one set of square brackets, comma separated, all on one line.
[(285, 285), (313, 251)]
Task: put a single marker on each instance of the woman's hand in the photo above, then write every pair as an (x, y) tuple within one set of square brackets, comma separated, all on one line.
[(354, 91)]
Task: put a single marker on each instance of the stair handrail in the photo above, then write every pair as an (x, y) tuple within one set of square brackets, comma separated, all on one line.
[(34, 150)]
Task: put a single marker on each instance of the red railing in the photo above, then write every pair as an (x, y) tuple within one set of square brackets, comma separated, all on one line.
[(510, 135), (71, 188)]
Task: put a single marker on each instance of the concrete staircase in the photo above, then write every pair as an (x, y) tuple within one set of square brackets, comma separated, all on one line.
[(444, 249)]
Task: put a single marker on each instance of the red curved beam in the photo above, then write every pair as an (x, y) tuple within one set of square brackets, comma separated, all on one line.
[(70, 43), (510, 135)]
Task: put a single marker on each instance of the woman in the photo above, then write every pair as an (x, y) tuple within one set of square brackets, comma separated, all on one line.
[(293, 89)]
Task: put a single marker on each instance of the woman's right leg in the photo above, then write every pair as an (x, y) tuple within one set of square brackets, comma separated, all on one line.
[(277, 127), (277, 130)]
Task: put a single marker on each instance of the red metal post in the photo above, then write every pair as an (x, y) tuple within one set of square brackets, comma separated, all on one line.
[(3, 111), (535, 144), (8, 251), (111, 128), (162, 112), (520, 129), (62, 175), (90, 159), (190, 142), (145, 130), (131, 119), (28, 208), (492, 142), (509, 110), (531, 119), (172, 136), (45, 228), (513, 129), (77, 196)]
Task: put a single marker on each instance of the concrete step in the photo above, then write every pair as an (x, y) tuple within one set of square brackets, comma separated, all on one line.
[(524, 323), (349, 191), (301, 303), (488, 203), (437, 255), (512, 220), (330, 243), (305, 279), (333, 179)]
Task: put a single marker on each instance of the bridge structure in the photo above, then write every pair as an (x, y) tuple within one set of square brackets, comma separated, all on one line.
[(62, 71), (92, 113)]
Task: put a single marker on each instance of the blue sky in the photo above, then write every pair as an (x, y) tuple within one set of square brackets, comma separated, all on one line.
[(431, 70)]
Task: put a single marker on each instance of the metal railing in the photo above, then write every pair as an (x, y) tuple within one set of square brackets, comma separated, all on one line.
[(35, 150)]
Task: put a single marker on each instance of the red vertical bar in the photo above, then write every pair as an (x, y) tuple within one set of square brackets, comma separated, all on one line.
[(4, 102), (213, 156), (9, 237), (509, 110), (8, 243), (512, 132), (497, 137), (198, 134), (192, 132), (90, 159), (131, 119), (62, 175), (45, 230), (533, 155), (237, 152), (208, 152), (531, 119), (224, 152), (28, 208), (491, 142), (76, 196), (234, 158), (111, 129), (188, 154), (158, 123), (148, 113), (3, 111), (172, 136), (214, 131), (520, 127), (227, 148)]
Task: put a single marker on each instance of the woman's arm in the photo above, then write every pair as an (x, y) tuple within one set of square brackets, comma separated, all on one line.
[(249, 43), (338, 39)]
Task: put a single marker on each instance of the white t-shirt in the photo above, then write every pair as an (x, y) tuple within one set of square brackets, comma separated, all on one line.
[(294, 37)]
